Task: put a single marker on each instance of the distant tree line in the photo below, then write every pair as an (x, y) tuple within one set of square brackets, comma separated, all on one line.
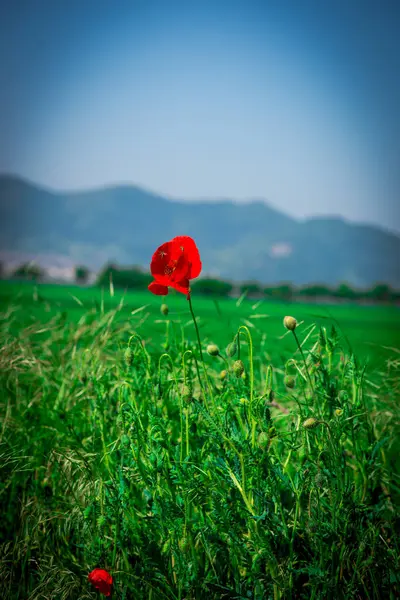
[(134, 278), (127, 278), (377, 293), (30, 271)]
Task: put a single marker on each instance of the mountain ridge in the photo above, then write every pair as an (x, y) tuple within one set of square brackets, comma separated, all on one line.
[(198, 200), (238, 240)]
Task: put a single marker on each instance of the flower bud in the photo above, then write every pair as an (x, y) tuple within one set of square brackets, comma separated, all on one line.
[(238, 368), (338, 412), (184, 545), (46, 485), (310, 423), (343, 396), (164, 309), (263, 440), (128, 356), (231, 349), (290, 323), (290, 382), (125, 441), (290, 367), (213, 350), (223, 374), (187, 393)]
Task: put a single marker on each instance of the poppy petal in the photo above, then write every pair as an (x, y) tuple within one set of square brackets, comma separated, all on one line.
[(187, 245), (169, 263), (101, 580), (173, 264), (158, 289), (181, 286), (160, 259)]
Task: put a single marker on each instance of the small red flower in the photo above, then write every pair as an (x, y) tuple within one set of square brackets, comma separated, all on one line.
[(173, 264), (101, 580)]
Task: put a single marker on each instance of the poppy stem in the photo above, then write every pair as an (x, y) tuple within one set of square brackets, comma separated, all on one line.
[(245, 329), (189, 297), (304, 359), (196, 327)]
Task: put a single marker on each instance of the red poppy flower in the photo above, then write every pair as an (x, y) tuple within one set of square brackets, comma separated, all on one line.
[(101, 580), (173, 264)]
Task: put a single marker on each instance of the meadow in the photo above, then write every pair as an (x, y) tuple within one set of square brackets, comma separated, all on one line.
[(261, 464)]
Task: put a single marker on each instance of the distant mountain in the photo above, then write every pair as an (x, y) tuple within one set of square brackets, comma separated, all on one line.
[(249, 241)]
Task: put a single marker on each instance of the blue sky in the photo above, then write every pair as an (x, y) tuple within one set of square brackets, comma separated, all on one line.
[(294, 102)]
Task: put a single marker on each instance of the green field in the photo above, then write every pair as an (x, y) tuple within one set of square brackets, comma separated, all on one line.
[(371, 331), (121, 449)]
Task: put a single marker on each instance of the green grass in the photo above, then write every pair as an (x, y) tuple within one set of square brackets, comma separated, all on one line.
[(372, 331), (182, 479)]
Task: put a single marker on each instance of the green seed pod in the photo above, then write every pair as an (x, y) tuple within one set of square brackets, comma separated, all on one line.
[(164, 309), (125, 441), (231, 349), (263, 440), (290, 323), (128, 356), (343, 396), (223, 375), (319, 480), (267, 414), (238, 368), (187, 393), (184, 545), (87, 512), (310, 423), (290, 382), (213, 350), (290, 367)]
